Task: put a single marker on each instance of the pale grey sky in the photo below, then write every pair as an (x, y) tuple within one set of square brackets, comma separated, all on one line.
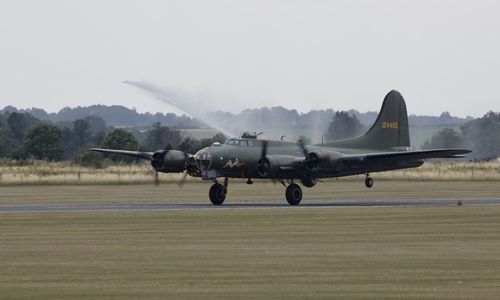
[(441, 55)]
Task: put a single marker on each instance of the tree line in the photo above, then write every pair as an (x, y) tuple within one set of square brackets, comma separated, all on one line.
[(115, 115), (23, 137), (481, 135), (264, 117)]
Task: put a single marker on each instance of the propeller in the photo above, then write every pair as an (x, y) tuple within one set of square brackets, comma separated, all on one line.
[(190, 166), (171, 160), (263, 165), (302, 147), (183, 179), (158, 159), (311, 159)]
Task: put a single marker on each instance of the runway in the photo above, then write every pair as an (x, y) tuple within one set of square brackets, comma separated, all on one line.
[(263, 205)]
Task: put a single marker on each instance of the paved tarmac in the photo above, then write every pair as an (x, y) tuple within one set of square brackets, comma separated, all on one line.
[(263, 205)]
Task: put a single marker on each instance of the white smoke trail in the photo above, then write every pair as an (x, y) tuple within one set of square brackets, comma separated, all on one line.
[(180, 101)]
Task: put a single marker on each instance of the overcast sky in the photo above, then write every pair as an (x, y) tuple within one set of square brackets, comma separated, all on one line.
[(441, 55)]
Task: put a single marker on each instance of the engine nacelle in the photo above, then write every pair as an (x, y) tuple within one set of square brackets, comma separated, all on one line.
[(276, 165), (325, 159), (308, 180), (169, 161)]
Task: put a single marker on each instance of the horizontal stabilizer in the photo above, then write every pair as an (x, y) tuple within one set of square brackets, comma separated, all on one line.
[(403, 156)]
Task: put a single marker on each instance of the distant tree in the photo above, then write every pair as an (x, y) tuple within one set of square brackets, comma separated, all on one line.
[(96, 135), (89, 159), (9, 109), (75, 138), (4, 153), (119, 116), (192, 146), (446, 138), (4, 137), (98, 138), (483, 136), (81, 132), (39, 113), (97, 125), (160, 137), (18, 125), (43, 142), (120, 139), (343, 126), (219, 138)]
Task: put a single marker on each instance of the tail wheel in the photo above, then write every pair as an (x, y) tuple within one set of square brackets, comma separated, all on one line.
[(368, 182), (216, 194), (293, 194)]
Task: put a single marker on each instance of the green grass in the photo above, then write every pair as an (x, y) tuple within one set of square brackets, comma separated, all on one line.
[(291, 253), (287, 253)]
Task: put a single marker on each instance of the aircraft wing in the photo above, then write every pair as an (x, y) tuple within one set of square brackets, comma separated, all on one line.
[(136, 154), (389, 157)]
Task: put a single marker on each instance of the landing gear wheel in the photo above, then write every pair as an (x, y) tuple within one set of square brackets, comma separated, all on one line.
[(368, 182), (293, 194), (216, 194)]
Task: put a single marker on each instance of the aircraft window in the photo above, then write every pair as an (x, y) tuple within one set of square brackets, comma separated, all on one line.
[(232, 142), (243, 143)]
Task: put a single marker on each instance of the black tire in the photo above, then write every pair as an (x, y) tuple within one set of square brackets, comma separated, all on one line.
[(293, 194), (369, 182), (216, 194)]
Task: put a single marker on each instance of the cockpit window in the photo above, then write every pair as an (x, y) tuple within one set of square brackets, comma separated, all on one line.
[(240, 143), (232, 142)]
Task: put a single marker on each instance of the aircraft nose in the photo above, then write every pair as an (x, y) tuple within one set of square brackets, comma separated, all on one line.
[(203, 159)]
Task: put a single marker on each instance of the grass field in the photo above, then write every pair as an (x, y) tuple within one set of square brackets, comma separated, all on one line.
[(448, 252), (290, 253)]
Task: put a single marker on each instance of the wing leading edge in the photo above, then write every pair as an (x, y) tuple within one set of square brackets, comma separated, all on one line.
[(136, 154)]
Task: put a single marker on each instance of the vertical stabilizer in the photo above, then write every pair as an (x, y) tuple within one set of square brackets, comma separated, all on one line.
[(390, 130)]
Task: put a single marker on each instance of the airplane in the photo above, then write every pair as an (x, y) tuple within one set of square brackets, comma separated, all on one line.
[(385, 146)]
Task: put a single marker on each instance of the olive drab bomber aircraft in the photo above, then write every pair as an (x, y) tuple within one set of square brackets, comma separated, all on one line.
[(385, 146)]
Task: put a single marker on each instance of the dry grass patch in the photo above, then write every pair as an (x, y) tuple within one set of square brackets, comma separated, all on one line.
[(57, 173)]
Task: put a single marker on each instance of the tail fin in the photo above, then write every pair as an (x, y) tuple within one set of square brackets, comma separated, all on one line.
[(390, 130)]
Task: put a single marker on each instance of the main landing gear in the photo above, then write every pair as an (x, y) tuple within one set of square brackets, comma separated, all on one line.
[(293, 194), (217, 193), (368, 181)]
